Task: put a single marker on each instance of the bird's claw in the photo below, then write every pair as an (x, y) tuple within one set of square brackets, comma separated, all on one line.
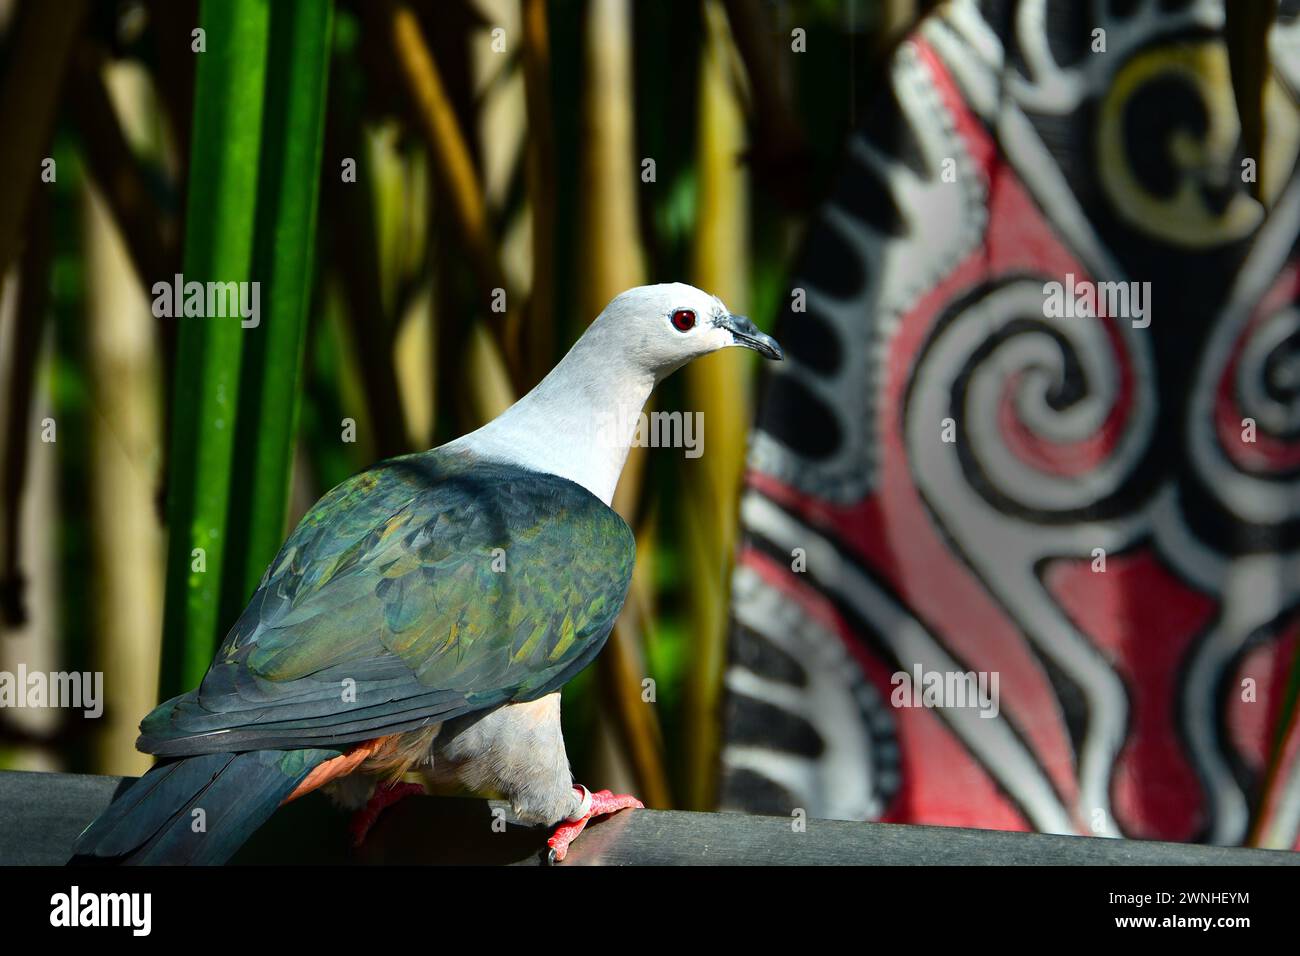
[(602, 802)]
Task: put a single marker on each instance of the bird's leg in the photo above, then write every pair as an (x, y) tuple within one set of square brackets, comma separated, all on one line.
[(593, 805), (385, 795)]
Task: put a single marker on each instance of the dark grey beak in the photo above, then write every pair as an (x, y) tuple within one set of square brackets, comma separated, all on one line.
[(746, 333)]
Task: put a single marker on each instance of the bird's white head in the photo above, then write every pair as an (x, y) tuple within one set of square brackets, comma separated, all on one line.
[(580, 420), (662, 327)]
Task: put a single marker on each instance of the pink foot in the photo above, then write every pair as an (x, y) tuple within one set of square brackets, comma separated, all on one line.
[(385, 795), (602, 802)]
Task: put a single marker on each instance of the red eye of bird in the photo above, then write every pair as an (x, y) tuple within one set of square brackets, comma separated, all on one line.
[(683, 320)]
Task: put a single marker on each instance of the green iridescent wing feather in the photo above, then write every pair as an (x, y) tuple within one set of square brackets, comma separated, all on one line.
[(422, 589)]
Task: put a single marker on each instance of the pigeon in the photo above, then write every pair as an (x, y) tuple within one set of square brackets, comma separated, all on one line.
[(424, 614)]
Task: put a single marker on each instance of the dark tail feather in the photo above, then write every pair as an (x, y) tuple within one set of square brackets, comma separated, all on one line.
[(155, 820)]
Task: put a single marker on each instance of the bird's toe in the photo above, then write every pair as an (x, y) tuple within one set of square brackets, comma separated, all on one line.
[(602, 802)]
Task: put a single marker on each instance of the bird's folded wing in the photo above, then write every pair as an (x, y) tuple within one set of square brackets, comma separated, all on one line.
[(422, 589)]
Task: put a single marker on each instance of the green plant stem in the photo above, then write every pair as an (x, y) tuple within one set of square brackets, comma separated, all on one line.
[(220, 219), (288, 189)]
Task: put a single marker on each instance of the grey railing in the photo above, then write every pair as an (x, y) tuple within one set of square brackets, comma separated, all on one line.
[(42, 813)]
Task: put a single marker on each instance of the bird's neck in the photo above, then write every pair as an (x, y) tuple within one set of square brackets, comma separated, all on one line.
[(578, 422)]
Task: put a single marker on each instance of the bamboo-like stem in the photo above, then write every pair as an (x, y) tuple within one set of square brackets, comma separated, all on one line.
[(145, 227), (622, 664), (451, 162), (613, 261), (173, 21), (612, 256), (29, 324), (780, 157), (622, 668), (127, 544), (149, 233), (40, 46), (353, 254), (293, 129), (715, 385), (540, 160), (219, 234)]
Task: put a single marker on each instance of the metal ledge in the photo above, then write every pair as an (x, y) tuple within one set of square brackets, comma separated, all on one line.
[(42, 813)]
